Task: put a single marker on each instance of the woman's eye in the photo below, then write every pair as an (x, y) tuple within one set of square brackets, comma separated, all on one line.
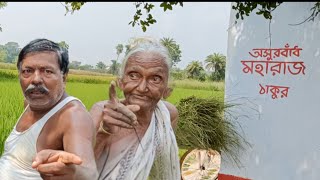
[(134, 75), (156, 79)]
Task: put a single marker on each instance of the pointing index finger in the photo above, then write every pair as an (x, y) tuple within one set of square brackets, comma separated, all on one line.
[(112, 92), (66, 158), (49, 156)]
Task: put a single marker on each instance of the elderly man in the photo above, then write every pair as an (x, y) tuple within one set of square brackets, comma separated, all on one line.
[(51, 120), (135, 138)]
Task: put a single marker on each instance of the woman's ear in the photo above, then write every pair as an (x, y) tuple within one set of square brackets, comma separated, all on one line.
[(167, 93)]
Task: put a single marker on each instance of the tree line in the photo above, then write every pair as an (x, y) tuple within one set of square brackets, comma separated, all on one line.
[(212, 68), (9, 52)]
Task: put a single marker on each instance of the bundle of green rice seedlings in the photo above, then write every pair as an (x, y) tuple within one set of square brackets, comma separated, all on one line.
[(202, 125)]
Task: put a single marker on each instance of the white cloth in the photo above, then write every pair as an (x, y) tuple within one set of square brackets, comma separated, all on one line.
[(157, 156), (20, 148)]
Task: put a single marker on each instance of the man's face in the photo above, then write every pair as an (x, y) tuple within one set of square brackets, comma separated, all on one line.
[(145, 79), (41, 80)]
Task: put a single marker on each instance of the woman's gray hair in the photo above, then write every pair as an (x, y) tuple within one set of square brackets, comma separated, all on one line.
[(145, 44)]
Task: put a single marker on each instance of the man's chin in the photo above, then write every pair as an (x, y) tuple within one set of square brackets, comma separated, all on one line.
[(42, 101), (37, 104)]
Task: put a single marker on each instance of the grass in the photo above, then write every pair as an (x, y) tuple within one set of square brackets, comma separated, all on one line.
[(82, 78), (181, 152), (88, 73), (179, 93), (90, 79), (8, 66), (194, 84), (12, 66), (8, 74), (11, 106)]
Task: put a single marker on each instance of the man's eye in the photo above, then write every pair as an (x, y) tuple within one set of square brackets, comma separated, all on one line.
[(26, 71), (47, 71)]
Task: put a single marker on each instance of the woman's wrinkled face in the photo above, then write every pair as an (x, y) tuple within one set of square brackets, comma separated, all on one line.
[(145, 79)]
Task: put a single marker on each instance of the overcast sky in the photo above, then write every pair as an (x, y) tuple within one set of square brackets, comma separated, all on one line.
[(93, 32)]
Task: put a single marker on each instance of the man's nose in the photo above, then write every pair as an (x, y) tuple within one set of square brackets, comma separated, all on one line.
[(142, 87), (37, 77)]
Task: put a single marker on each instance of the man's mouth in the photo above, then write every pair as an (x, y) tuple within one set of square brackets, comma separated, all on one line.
[(36, 93)]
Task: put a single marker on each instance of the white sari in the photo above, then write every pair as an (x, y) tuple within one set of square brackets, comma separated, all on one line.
[(156, 156)]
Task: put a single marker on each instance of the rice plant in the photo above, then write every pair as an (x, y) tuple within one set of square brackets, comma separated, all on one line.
[(11, 105), (202, 124)]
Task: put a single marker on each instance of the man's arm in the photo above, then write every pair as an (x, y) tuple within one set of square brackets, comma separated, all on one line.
[(78, 138), (174, 115), (76, 161)]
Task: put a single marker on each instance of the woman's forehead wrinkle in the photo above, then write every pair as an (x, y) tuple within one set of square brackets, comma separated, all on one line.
[(148, 63)]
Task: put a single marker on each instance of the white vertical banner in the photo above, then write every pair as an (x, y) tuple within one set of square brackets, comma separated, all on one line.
[(273, 73)]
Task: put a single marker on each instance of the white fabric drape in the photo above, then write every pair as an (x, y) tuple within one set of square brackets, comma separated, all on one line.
[(157, 155)]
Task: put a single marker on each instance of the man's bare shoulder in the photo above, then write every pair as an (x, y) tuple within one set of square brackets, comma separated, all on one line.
[(73, 118), (74, 111), (72, 106)]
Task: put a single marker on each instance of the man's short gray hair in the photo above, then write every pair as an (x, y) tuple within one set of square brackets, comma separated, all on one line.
[(145, 44)]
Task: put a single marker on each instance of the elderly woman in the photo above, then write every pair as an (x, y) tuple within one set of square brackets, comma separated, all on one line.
[(135, 139)]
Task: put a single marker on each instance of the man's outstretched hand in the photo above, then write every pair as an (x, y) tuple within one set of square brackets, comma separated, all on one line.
[(52, 163)]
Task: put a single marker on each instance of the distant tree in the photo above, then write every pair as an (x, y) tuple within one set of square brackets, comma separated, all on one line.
[(217, 63), (13, 51), (178, 74), (3, 54), (86, 67), (173, 48), (64, 45), (100, 65), (119, 49), (114, 68), (202, 75), (194, 69), (127, 49), (74, 64)]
